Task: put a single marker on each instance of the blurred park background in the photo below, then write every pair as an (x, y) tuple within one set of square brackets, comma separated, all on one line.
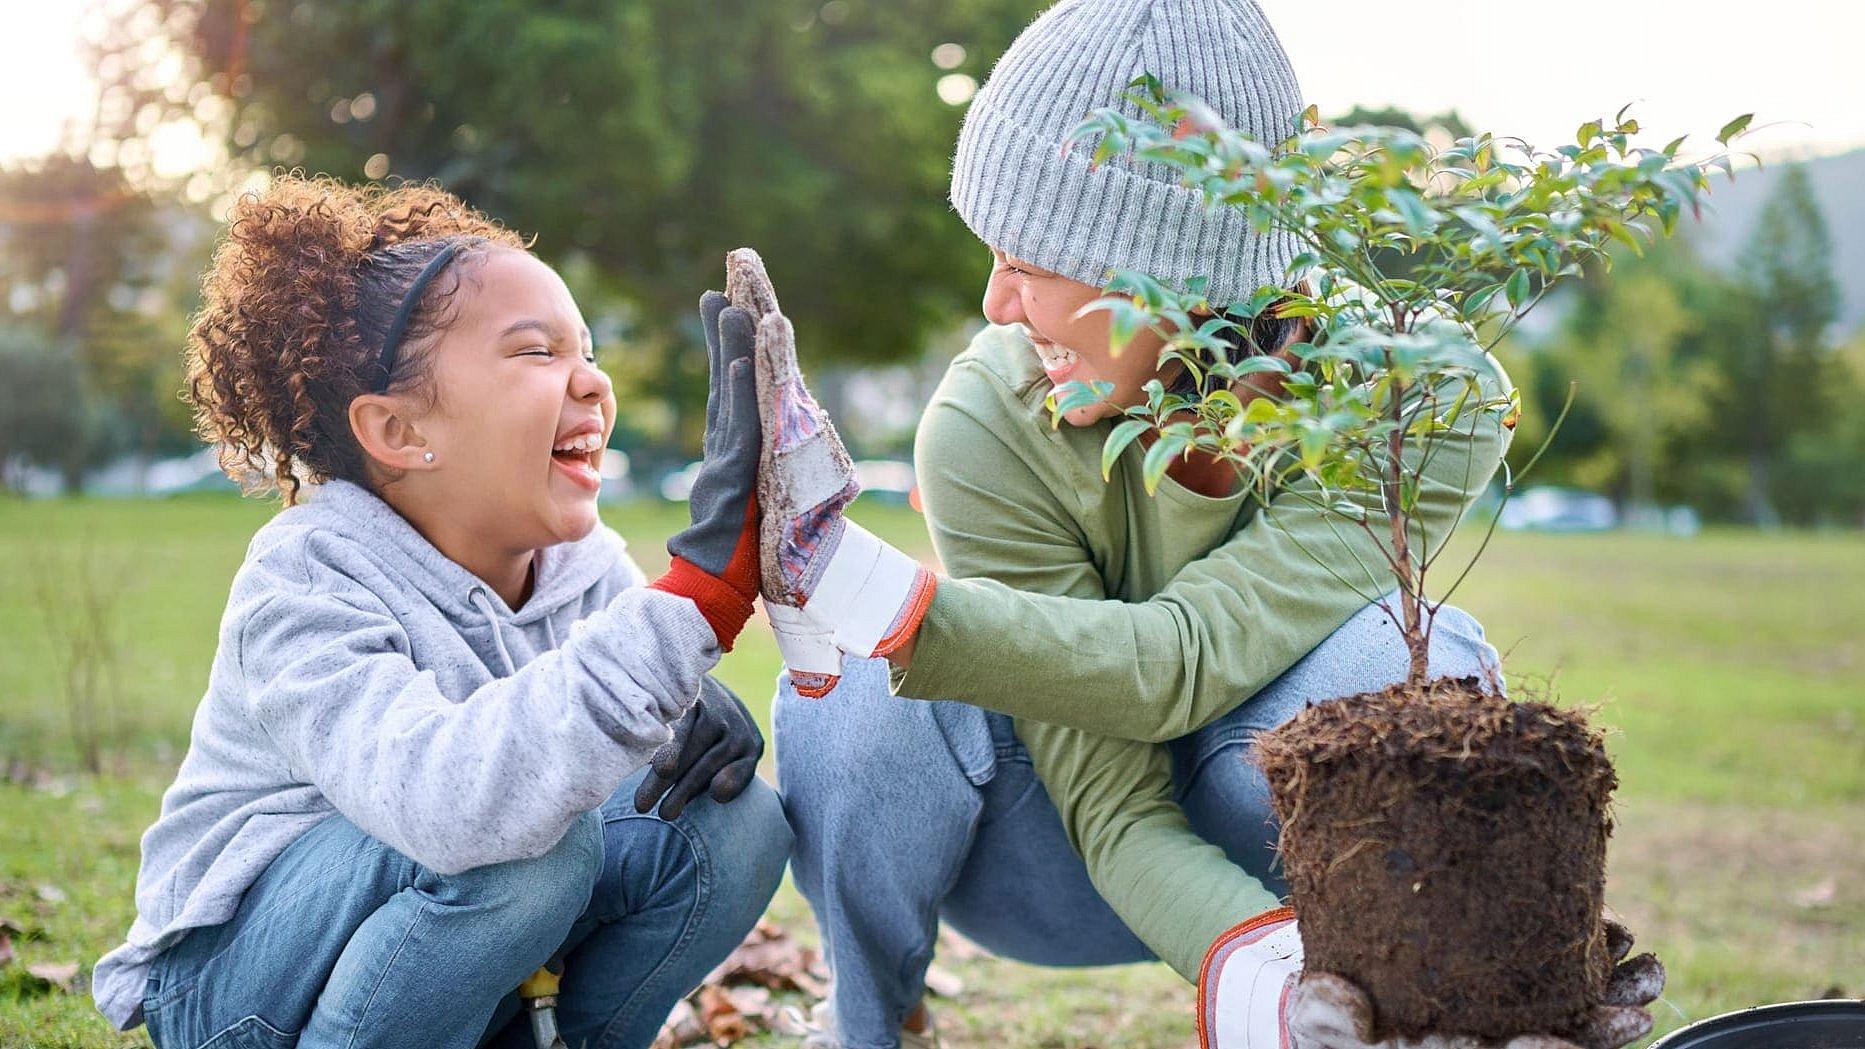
[(1692, 554)]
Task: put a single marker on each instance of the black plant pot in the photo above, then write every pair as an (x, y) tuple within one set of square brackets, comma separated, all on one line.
[(1837, 1023)]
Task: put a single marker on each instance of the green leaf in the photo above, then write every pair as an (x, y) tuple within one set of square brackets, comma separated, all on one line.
[(1158, 459), (1258, 365), (1479, 299), (1518, 288), (1076, 394), (1734, 127), (1117, 442)]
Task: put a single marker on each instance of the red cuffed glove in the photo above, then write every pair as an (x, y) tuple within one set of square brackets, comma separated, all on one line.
[(715, 559)]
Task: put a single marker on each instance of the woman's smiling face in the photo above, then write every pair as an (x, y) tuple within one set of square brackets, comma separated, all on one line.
[(1072, 345), (517, 378)]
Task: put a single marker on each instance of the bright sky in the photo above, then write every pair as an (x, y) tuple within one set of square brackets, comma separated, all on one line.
[(1687, 65), (1794, 61)]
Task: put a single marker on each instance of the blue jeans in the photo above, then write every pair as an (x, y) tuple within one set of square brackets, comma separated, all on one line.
[(907, 812), (345, 942)]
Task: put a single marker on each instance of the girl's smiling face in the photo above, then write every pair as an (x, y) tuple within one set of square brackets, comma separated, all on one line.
[(515, 377), (1070, 344)]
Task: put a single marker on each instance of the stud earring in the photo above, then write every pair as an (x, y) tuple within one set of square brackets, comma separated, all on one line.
[(427, 456)]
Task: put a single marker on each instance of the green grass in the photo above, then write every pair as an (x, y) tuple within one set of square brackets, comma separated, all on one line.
[(1728, 666)]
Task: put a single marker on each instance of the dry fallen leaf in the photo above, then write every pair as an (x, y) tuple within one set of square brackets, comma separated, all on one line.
[(682, 1027), (943, 983), (771, 957), (737, 999), (61, 975), (956, 946), (50, 893), (1818, 895), (724, 1023)]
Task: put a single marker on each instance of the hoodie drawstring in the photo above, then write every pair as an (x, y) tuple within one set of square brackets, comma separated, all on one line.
[(478, 597)]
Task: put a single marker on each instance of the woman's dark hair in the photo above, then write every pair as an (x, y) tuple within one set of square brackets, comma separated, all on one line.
[(296, 303), (1268, 331)]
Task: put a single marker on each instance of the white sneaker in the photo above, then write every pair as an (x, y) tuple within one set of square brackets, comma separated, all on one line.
[(819, 1029)]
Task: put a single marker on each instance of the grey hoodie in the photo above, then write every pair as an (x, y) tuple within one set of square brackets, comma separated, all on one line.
[(360, 671)]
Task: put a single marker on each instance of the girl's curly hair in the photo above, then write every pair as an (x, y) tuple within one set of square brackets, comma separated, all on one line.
[(296, 304)]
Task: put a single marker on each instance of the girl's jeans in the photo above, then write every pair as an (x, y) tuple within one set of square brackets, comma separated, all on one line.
[(345, 942), (908, 811)]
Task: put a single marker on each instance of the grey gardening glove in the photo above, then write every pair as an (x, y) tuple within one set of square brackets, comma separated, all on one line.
[(715, 748), (1329, 1012), (715, 559)]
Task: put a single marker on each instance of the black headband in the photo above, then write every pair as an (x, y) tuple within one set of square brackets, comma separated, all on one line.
[(403, 314)]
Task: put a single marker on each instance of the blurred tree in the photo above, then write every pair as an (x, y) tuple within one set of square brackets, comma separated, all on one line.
[(1632, 346), (41, 392), (1449, 125), (1823, 475), (83, 260), (1783, 370), (649, 136)]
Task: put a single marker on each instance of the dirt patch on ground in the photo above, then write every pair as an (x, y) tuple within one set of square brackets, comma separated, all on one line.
[(1446, 851)]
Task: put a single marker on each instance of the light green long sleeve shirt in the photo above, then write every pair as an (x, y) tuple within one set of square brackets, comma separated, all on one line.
[(1107, 621)]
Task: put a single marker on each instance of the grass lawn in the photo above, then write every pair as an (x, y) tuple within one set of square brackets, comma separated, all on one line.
[(1729, 666)]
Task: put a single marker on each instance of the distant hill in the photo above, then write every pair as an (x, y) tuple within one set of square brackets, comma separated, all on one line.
[(1839, 182)]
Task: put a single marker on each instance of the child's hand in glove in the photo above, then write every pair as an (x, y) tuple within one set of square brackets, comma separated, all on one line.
[(715, 749), (715, 559)]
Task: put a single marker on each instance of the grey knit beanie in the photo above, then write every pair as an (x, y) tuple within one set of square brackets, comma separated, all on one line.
[(1020, 192)]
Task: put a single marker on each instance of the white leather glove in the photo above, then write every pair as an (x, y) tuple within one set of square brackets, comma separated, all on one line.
[(829, 586)]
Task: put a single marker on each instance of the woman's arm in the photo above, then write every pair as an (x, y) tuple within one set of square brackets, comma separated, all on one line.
[(1224, 627), (996, 518), (1176, 891), (499, 775)]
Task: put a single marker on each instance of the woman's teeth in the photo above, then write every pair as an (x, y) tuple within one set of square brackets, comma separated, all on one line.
[(1055, 358)]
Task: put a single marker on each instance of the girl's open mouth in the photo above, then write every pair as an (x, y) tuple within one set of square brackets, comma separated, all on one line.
[(580, 463)]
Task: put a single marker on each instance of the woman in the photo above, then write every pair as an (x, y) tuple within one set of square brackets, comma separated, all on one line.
[(420, 769), (1224, 621)]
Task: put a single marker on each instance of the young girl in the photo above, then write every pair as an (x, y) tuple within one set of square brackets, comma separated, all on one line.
[(418, 771)]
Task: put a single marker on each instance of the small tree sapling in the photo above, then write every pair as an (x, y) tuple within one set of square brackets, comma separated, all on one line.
[(1415, 260)]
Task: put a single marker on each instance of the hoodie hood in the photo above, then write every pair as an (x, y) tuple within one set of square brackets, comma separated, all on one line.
[(564, 572)]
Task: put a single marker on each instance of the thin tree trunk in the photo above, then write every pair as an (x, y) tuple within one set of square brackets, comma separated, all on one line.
[(1761, 512)]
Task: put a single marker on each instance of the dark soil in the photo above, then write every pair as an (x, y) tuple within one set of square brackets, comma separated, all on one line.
[(1446, 851)]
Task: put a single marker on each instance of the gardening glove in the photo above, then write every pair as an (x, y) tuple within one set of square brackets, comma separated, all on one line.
[(1325, 1011), (830, 586), (1243, 1000), (715, 559), (715, 748)]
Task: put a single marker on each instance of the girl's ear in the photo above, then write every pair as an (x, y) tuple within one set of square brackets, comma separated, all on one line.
[(384, 428)]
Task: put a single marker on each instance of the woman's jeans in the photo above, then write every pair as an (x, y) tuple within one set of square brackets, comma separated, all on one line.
[(908, 811), (345, 942)]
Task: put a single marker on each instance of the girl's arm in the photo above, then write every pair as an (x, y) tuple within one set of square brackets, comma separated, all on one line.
[(329, 677), (1155, 670)]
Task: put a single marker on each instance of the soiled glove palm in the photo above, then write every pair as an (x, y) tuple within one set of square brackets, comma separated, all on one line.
[(715, 748), (830, 587), (1328, 1012)]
